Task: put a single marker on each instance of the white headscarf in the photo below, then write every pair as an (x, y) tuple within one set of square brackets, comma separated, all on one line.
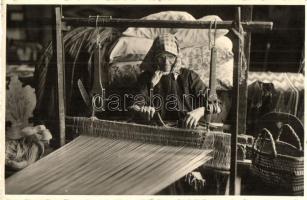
[(164, 43)]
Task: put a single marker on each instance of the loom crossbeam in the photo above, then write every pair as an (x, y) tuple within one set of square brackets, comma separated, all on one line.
[(118, 22)]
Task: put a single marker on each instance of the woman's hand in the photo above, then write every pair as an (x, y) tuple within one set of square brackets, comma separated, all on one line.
[(147, 112), (192, 118)]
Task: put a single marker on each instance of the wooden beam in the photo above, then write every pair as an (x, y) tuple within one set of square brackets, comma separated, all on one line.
[(246, 15), (60, 75), (236, 94), (118, 22)]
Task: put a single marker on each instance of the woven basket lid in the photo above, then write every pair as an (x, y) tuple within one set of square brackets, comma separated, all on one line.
[(273, 121)]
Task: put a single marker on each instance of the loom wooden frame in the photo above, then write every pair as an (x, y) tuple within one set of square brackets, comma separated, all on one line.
[(239, 81)]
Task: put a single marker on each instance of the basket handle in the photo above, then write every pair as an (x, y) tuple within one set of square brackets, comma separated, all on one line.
[(299, 144), (261, 134)]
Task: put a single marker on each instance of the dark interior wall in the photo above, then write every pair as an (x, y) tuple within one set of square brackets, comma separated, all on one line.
[(278, 50)]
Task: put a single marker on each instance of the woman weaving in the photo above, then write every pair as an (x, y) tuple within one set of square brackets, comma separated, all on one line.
[(176, 93)]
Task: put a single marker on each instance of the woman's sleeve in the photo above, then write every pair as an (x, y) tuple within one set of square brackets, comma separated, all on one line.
[(141, 97), (197, 86)]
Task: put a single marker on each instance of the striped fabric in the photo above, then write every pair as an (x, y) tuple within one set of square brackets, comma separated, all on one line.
[(281, 81)]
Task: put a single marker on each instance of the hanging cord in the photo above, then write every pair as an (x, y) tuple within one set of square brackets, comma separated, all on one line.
[(212, 104), (214, 39), (98, 42), (99, 53), (209, 35), (214, 34), (241, 34), (216, 104)]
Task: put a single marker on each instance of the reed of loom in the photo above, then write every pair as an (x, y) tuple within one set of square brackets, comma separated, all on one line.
[(216, 141), (238, 52)]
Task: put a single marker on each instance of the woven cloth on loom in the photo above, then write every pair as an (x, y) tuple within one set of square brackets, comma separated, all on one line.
[(92, 164), (101, 166)]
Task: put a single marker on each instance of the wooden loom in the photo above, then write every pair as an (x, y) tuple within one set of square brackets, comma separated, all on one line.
[(96, 165)]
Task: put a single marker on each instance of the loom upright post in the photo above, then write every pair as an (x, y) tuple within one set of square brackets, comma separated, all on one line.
[(60, 74), (246, 16), (236, 94)]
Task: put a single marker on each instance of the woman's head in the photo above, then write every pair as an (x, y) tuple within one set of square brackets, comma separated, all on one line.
[(166, 52), (165, 61)]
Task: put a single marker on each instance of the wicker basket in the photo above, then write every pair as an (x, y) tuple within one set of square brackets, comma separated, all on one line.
[(279, 163)]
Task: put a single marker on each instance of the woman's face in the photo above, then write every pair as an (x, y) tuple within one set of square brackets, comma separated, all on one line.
[(165, 61)]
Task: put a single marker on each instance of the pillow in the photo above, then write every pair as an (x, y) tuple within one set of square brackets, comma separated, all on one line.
[(198, 60), (224, 75), (199, 57), (186, 37), (124, 74), (154, 32), (130, 49), (192, 37)]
